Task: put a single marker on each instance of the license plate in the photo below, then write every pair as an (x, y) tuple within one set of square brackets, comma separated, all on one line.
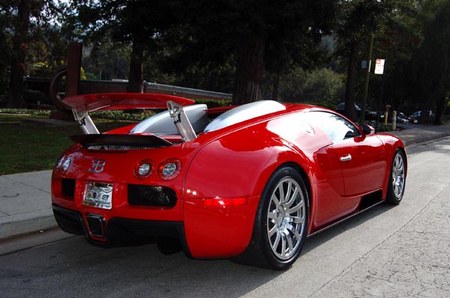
[(98, 195)]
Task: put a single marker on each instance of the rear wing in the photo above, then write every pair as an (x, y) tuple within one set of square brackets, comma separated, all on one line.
[(122, 101), (81, 105)]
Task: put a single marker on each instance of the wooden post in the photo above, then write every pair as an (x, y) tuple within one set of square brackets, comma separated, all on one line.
[(72, 74), (73, 68), (394, 120)]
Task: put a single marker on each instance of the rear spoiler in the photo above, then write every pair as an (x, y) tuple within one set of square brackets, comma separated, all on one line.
[(122, 101), (81, 105)]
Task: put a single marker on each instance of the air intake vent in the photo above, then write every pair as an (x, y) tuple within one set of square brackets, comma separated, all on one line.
[(119, 142), (148, 195), (68, 188)]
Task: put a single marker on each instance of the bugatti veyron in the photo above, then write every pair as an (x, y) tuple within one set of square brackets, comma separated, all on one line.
[(250, 182)]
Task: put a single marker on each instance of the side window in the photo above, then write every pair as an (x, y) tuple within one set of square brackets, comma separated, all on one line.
[(336, 127)]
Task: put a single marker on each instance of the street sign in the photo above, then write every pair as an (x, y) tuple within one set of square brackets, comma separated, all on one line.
[(365, 65), (379, 66)]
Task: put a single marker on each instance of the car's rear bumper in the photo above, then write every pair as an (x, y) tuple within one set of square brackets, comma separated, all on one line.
[(118, 230), (207, 224)]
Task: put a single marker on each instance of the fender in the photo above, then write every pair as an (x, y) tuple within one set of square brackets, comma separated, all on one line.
[(392, 144), (222, 194)]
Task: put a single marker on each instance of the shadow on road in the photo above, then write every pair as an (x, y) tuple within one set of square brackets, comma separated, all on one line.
[(349, 224), (74, 267)]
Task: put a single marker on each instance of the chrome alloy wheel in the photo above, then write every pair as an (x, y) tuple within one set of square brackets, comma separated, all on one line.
[(398, 175), (286, 218)]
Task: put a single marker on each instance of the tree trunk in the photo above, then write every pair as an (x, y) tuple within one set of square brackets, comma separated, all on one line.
[(249, 72), (136, 75), (15, 98), (440, 109), (352, 73), (276, 85)]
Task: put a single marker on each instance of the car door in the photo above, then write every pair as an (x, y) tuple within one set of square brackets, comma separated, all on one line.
[(363, 163), (352, 165), (331, 200), (361, 158)]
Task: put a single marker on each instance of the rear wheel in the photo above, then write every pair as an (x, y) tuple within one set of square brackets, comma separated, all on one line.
[(397, 179), (281, 222)]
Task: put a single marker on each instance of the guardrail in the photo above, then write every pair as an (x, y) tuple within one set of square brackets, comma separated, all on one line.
[(97, 86), (185, 92), (41, 84)]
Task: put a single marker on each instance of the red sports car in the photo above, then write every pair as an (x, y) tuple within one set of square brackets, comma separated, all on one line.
[(250, 182)]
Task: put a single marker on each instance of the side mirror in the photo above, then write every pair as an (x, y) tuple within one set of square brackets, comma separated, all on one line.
[(367, 129)]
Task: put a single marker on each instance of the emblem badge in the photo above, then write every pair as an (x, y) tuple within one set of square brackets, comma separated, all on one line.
[(97, 166)]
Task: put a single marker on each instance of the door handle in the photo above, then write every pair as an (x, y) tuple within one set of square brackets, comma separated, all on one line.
[(347, 157)]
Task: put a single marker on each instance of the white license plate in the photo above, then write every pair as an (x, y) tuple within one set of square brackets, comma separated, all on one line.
[(98, 195)]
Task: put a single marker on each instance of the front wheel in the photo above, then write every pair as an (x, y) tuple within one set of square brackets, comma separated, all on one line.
[(397, 179), (281, 222)]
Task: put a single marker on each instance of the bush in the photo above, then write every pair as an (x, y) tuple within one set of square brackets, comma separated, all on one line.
[(26, 112), (322, 86), (135, 115), (211, 103)]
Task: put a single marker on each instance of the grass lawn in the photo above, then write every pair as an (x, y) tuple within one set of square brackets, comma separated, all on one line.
[(26, 147)]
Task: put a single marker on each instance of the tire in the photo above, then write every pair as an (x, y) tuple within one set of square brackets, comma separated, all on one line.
[(281, 222), (397, 179)]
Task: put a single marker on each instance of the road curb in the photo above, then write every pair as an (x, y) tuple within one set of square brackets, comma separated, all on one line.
[(19, 228), (413, 139), (426, 139)]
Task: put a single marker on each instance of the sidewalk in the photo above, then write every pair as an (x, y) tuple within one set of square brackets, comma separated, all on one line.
[(416, 133), (25, 205)]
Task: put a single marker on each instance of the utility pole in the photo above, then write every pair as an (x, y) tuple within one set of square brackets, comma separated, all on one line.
[(379, 70), (366, 83)]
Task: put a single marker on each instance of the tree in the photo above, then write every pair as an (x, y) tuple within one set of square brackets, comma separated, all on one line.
[(211, 38), (5, 48), (23, 21), (136, 22), (396, 40), (432, 62), (20, 44), (258, 34), (321, 86), (297, 41), (106, 60), (360, 18), (415, 52), (224, 30)]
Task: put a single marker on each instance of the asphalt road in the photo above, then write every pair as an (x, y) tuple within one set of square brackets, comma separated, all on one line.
[(388, 251)]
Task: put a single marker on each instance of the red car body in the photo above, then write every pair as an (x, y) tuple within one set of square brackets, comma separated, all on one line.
[(211, 200)]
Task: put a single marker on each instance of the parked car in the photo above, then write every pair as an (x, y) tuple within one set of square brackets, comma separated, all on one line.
[(402, 118), (369, 114), (250, 182), (424, 116)]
